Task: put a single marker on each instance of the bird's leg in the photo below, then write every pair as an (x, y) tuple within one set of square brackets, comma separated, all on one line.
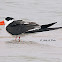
[(19, 39), (16, 38)]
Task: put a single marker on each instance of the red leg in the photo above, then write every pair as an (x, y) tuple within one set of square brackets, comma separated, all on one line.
[(19, 39), (16, 38)]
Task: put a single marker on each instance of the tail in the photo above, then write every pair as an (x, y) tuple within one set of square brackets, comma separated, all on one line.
[(47, 25), (44, 28), (49, 29)]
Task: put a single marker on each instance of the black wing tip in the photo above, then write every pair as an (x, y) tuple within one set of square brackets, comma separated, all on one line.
[(55, 22)]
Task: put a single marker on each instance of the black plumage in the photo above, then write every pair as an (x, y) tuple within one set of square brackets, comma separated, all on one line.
[(16, 28)]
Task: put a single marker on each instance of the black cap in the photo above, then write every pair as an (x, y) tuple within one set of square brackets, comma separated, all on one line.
[(8, 18)]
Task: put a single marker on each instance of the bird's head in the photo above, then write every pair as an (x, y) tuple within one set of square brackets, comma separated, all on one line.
[(7, 21)]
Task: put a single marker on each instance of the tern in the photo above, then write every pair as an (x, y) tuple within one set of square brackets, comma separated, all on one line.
[(19, 27)]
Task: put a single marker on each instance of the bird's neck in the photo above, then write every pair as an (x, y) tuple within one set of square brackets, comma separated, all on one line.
[(8, 22)]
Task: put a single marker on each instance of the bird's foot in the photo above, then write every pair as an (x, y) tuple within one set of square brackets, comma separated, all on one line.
[(16, 38), (19, 39)]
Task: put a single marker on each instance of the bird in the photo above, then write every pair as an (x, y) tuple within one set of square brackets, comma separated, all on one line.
[(20, 27)]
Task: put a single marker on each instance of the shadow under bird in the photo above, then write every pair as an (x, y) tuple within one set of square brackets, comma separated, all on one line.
[(19, 27)]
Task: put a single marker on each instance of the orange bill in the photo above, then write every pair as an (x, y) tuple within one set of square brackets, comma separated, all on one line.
[(2, 23)]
